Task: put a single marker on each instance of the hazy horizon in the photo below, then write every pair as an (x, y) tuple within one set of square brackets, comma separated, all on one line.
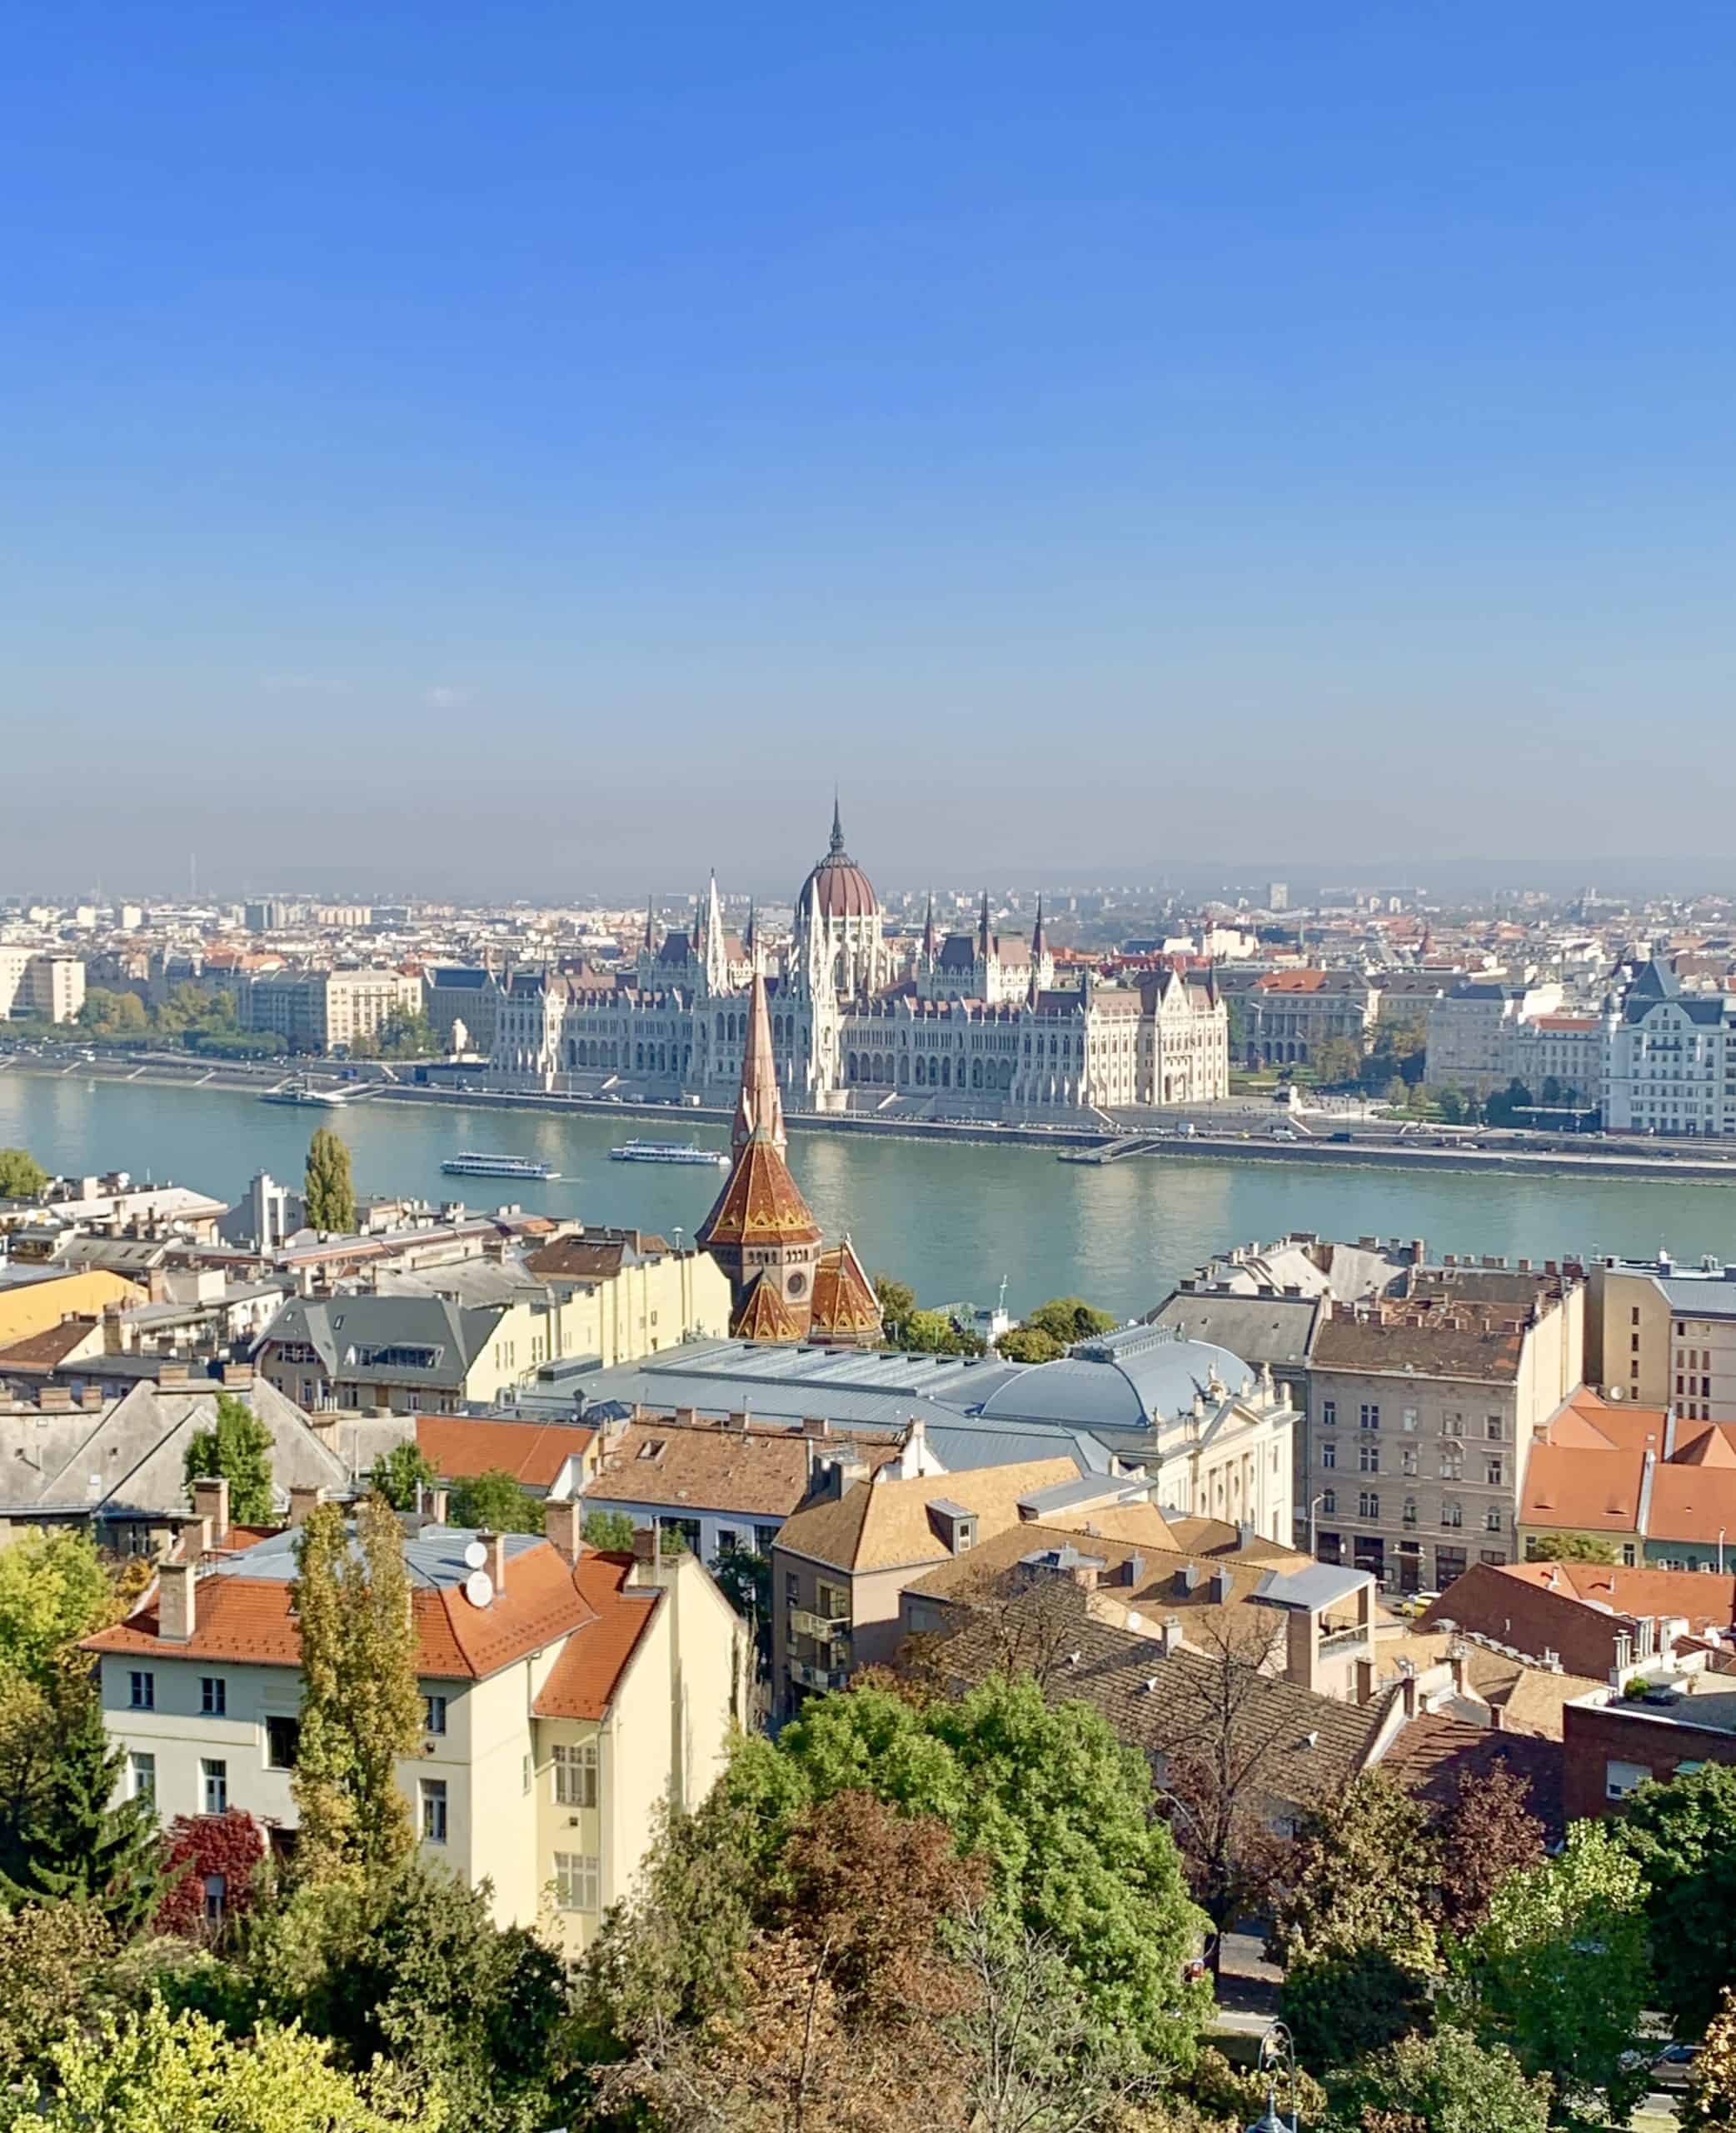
[(535, 452)]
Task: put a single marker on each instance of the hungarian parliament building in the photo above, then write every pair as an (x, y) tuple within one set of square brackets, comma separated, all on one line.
[(978, 1026)]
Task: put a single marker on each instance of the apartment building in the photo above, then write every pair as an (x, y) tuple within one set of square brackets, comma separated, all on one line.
[(1662, 1335), (1672, 1064), (1422, 1410), (327, 1010), (38, 982), (840, 1565), (436, 1353), (1659, 1488), (1472, 1030), (568, 1696), (1291, 1013)]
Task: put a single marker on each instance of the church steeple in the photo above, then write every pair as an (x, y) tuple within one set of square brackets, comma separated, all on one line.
[(750, 940), (760, 1108), (710, 944), (1036, 932), (982, 932), (838, 844), (651, 941), (927, 932)]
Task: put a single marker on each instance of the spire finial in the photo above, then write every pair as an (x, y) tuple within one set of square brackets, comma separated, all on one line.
[(837, 826)]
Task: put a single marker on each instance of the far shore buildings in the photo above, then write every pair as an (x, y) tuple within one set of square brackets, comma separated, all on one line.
[(981, 1025)]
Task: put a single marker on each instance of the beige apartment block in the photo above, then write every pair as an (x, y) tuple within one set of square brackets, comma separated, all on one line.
[(1663, 1335), (36, 981), (1421, 1413), (324, 1010), (567, 1698)]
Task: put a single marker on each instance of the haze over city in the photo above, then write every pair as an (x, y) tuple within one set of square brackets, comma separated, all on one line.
[(508, 453)]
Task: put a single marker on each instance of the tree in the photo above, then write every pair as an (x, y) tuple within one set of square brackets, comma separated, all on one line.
[(1029, 1344), (1059, 1808), (897, 1301), (1557, 1974), (495, 1502), (57, 1959), (1710, 2104), (1223, 1731), (744, 1579), (610, 1530), (53, 1592), (1487, 1833), (361, 1706), (414, 1971), (1068, 1319), (1350, 1923), (74, 1841), (933, 1333), (1571, 1548), (1451, 1103), (1337, 1062), (155, 2073), (21, 1176), (328, 1190), (406, 1033), (238, 1446), (399, 1474), (1683, 1837), (1444, 2083)]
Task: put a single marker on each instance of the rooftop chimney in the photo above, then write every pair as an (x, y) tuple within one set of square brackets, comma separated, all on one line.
[(210, 1503), (176, 1610), (302, 1502), (172, 1377), (496, 1565), (563, 1526), (439, 1504)]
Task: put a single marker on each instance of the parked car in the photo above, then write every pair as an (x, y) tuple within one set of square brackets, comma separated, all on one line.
[(1673, 2066)]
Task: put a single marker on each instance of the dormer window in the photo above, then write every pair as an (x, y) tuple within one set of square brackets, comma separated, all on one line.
[(655, 1449)]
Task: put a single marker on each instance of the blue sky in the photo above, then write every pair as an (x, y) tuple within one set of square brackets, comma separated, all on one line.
[(535, 447)]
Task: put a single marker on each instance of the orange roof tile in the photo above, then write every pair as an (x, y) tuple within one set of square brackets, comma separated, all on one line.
[(766, 1316), (237, 1617), (534, 1453), (760, 1203), (845, 1309), (582, 1682)]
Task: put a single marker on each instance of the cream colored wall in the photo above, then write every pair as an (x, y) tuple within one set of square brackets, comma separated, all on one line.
[(645, 1308)]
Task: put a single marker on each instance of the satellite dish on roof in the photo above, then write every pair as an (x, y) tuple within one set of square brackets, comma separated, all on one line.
[(479, 1588), (474, 1554)]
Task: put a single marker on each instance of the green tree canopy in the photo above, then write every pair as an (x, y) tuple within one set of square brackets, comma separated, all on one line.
[(1068, 1319), (610, 1530), (73, 1839), (21, 1176), (1351, 1926), (1710, 2104), (1571, 1548), (1682, 1835), (1059, 1809), (897, 1300), (496, 1502), (238, 1446), (1444, 2083), (152, 2072), (1029, 1344), (361, 1705), (328, 1191), (53, 1591), (933, 1333), (397, 1475), (1557, 1974)]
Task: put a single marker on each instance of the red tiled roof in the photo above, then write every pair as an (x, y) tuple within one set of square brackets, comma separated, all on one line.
[(533, 1453), (760, 1203), (544, 1600), (582, 1682)]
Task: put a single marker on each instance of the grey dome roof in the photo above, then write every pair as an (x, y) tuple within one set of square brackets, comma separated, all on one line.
[(1125, 1380)]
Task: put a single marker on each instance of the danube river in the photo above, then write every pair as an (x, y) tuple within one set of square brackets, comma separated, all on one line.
[(951, 1219)]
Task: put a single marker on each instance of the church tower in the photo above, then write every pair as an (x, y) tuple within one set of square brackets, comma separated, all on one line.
[(761, 1231)]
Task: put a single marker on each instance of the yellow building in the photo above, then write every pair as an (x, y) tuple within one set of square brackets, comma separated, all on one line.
[(30, 1307), (566, 1696)]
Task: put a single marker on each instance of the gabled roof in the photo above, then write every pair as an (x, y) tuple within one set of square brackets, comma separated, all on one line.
[(583, 1681), (534, 1453), (766, 1316), (243, 1613), (338, 1328), (846, 1308), (760, 1203), (884, 1525)]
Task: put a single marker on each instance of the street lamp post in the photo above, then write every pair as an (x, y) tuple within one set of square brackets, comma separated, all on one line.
[(1277, 2052), (1313, 1522)]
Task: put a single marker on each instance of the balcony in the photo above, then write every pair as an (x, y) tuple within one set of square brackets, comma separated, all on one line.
[(804, 1622), (817, 1677)]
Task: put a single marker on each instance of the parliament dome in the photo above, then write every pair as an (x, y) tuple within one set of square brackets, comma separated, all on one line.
[(837, 887)]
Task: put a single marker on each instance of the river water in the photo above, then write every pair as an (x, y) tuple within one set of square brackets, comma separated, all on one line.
[(950, 1219)]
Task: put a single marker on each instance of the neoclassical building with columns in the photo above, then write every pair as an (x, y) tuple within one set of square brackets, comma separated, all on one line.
[(974, 1026)]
